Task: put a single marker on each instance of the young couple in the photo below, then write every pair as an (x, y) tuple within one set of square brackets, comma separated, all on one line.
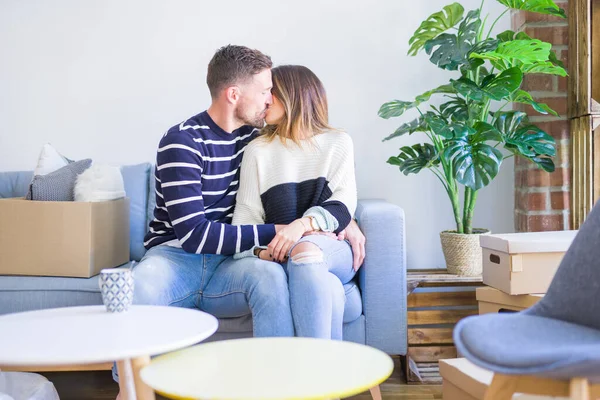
[(272, 234)]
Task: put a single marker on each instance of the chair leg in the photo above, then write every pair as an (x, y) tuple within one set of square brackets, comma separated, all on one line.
[(502, 388), (579, 389), (375, 393)]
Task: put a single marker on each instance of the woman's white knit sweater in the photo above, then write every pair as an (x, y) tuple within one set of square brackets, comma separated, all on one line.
[(280, 182)]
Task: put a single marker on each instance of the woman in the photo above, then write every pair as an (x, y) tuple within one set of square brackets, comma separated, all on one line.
[(300, 173)]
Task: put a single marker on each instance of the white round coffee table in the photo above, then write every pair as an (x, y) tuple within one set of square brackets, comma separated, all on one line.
[(90, 335), (268, 369)]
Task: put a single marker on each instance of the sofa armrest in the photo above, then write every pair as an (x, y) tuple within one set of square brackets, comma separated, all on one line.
[(382, 277)]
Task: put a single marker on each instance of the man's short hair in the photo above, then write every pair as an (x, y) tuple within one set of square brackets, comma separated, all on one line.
[(232, 65)]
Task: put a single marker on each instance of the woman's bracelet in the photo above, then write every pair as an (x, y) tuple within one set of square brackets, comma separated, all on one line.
[(309, 228), (312, 219)]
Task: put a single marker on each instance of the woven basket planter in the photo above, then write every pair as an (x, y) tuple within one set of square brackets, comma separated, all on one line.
[(463, 252)]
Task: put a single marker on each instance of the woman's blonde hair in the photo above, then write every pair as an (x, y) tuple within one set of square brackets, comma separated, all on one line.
[(304, 101)]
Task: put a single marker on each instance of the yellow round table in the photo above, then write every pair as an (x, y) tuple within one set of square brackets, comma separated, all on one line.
[(269, 368)]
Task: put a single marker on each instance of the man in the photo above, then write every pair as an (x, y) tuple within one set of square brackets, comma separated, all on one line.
[(197, 171)]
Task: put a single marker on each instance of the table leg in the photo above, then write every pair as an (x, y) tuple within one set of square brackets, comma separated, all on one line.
[(126, 381), (143, 391), (376, 393)]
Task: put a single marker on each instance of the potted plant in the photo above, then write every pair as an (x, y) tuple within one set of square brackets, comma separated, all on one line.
[(468, 131)]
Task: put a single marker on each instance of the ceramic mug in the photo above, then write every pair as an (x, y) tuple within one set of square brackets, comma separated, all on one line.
[(116, 286)]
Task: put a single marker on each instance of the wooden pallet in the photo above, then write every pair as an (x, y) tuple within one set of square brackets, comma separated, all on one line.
[(432, 314)]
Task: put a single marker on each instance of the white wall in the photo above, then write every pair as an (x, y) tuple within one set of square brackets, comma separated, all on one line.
[(104, 79)]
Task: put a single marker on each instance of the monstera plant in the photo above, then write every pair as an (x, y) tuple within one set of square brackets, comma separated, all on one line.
[(472, 129)]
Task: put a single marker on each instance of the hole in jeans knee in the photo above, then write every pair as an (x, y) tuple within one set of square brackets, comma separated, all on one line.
[(306, 253), (308, 257)]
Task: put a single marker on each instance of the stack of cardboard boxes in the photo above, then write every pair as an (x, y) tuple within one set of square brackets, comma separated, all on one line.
[(517, 269)]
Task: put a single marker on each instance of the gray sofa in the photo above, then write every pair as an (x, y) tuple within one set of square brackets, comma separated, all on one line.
[(377, 297)]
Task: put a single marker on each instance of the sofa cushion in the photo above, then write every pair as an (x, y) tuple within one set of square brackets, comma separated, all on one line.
[(27, 293), (58, 185), (14, 183), (135, 178), (49, 160)]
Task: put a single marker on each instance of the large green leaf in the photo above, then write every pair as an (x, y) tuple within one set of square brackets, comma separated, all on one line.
[(475, 163), (508, 54), (521, 96), (546, 67), (394, 108), (450, 53), (508, 122), (451, 50), (537, 6), (417, 125), (503, 85), (530, 141), (506, 36), (468, 88), (485, 132), (437, 23), (455, 110), (526, 140), (462, 131), (446, 89), (544, 163), (439, 126), (509, 35), (469, 27), (484, 46), (497, 87), (551, 57), (413, 159)]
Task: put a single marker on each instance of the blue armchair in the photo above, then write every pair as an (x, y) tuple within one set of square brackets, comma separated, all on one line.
[(379, 289)]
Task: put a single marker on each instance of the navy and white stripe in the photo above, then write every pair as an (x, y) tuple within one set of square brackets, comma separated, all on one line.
[(282, 182), (197, 179)]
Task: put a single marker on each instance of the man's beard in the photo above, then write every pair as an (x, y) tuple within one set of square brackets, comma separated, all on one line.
[(256, 121)]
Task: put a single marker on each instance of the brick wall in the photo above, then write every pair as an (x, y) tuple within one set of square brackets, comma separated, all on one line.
[(542, 199)]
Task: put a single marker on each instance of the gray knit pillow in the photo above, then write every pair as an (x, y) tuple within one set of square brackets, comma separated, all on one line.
[(58, 185)]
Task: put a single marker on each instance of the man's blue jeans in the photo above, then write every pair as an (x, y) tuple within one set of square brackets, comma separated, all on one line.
[(219, 285)]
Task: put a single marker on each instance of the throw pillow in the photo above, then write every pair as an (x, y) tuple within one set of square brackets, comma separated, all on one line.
[(49, 160), (100, 183), (58, 185)]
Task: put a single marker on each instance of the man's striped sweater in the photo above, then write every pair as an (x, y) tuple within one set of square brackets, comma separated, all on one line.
[(197, 178)]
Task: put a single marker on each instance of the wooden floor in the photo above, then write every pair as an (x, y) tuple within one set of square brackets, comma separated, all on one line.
[(98, 385)]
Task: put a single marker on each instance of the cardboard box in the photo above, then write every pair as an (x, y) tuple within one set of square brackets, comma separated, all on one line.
[(523, 263), (71, 239), (492, 300), (463, 380)]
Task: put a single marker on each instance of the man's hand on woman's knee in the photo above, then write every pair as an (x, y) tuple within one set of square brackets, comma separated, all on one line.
[(357, 241), (355, 237)]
